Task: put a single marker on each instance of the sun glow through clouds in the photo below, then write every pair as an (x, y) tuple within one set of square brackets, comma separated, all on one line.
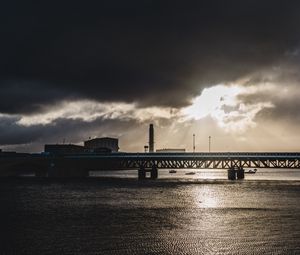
[(222, 103), (211, 100)]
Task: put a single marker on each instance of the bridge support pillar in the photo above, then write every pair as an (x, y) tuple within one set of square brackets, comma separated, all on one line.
[(240, 173), (154, 173), (231, 173), (142, 173)]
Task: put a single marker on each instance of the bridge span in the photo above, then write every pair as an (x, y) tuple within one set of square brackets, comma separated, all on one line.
[(69, 165), (219, 160)]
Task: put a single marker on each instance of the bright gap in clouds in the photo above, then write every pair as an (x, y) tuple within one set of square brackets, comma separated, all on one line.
[(222, 103), (88, 111), (211, 99)]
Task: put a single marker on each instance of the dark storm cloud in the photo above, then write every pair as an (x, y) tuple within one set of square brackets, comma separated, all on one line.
[(70, 130), (149, 52), (29, 96), (278, 86), (12, 133), (285, 105)]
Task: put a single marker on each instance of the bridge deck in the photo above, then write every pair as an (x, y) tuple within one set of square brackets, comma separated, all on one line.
[(14, 162), (234, 155), (218, 160)]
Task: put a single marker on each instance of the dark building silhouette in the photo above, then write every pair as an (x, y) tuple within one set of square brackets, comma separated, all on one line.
[(151, 138), (102, 144), (63, 148)]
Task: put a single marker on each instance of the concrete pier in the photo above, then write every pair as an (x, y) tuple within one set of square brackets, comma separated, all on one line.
[(240, 173), (231, 174), (141, 173), (236, 173), (154, 173)]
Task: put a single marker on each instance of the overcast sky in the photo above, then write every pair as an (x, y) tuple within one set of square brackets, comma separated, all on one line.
[(70, 70)]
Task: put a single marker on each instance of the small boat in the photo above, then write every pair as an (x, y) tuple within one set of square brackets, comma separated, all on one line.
[(190, 173), (172, 171), (251, 171)]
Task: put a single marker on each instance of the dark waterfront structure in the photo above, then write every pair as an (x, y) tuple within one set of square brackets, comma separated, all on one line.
[(74, 165), (102, 143), (63, 148)]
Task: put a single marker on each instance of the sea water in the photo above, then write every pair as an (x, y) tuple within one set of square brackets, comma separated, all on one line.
[(176, 214)]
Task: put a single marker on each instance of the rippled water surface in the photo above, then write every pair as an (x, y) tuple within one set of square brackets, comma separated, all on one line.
[(166, 216)]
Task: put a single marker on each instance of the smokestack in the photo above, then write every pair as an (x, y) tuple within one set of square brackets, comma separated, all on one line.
[(151, 138)]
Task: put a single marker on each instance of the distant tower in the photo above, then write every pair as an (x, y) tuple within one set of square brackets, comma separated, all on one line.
[(151, 138)]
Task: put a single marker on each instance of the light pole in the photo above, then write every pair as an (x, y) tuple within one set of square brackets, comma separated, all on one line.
[(194, 147), (209, 138), (146, 147)]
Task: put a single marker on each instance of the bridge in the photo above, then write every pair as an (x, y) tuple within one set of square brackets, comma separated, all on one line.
[(79, 165)]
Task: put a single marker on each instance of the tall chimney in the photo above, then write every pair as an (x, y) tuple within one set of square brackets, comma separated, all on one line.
[(151, 138)]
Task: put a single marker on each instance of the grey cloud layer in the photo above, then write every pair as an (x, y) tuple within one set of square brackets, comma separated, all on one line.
[(149, 52), (70, 130)]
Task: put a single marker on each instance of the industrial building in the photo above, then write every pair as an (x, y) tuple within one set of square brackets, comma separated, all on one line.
[(97, 145), (101, 144)]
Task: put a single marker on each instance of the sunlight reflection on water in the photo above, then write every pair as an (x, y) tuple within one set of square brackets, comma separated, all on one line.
[(204, 197), (262, 174)]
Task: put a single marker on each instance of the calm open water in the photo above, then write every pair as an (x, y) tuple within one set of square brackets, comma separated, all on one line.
[(176, 214)]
